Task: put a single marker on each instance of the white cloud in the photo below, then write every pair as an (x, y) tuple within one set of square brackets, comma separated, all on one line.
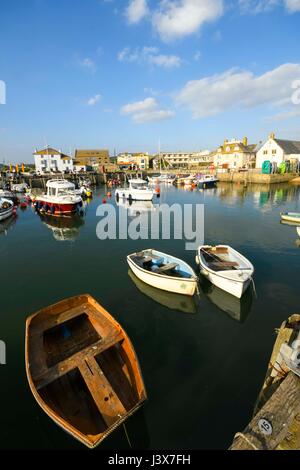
[(87, 63), (149, 55), (257, 6), (261, 6), (136, 11), (147, 110), (292, 5), (94, 100), (167, 61), (153, 116), (139, 106), (197, 56), (238, 89), (180, 18)]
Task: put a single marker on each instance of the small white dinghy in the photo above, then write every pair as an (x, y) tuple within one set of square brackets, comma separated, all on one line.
[(225, 268), (163, 271), (298, 231), (291, 216), (6, 208)]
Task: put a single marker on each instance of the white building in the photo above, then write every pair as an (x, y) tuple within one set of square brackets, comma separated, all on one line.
[(278, 151), (235, 154), (183, 159), (50, 160)]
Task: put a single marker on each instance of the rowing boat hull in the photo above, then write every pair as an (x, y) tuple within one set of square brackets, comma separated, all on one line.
[(91, 392), (291, 218), (235, 282), (236, 288), (164, 282), (135, 195)]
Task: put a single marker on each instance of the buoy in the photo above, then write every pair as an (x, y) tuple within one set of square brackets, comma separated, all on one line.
[(109, 194), (104, 201)]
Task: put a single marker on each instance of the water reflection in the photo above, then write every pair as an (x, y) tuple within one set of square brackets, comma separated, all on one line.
[(136, 207), (7, 224), (237, 309), (63, 228), (178, 302)]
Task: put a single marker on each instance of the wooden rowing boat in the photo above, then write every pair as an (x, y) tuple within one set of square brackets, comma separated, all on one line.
[(163, 271), (82, 368), (226, 268)]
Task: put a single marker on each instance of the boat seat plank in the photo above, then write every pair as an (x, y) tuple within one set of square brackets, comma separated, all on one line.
[(105, 398), (48, 375), (225, 264), (167, 267)]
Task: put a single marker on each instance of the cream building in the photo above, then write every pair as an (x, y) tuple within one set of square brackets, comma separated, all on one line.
[(235, 154)]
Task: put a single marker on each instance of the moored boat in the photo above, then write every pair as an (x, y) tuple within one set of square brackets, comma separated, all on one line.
[(138, 191), (60, 199), (6, 208), (291, 216), (226, 268), (298, 231), (163, 271), (82, 368), (206, 181)]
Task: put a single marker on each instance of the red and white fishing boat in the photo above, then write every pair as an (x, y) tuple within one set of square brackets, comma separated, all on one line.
[(60, 199)]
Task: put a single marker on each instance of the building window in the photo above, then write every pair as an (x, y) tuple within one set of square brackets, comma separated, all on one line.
[(274, 152), (265, 152)]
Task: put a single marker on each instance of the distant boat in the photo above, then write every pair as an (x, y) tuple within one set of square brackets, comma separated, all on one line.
[(181, 303), (154, 179), (19, 187), (291, 216), (167, 179), (225, 268), (163, 271), (6, 208), (206, 181), (82, 368), (138, 191)]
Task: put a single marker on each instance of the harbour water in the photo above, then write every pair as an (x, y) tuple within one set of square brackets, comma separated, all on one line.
[(203, 360)]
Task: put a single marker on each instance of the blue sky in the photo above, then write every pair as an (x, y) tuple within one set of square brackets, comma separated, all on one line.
[(123, 74)]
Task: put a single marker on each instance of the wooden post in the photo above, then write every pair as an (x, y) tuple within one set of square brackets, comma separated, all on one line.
[(279, 411)]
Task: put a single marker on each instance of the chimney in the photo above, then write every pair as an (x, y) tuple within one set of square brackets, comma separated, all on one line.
[(245, 141), (272, 135)]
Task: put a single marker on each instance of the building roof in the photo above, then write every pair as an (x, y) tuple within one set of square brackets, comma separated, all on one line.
[(91, 153), (289, 146), (47, 151), (52, 151)]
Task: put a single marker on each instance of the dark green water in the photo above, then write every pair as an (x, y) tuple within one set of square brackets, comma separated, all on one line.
[(203, 370)]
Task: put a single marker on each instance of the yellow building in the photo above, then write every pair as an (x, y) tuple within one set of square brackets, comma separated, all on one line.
[(133, 161)]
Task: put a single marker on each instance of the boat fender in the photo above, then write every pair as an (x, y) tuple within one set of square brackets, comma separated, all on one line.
[(52, 209), (130, 197), (117, 196), (47, 207), (80, 204)]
